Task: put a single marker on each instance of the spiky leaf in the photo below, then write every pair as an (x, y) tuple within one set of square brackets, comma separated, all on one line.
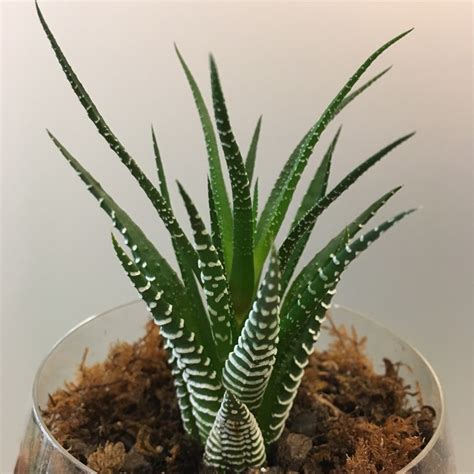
[(187, 271), (306, 223), (361, 89), (163, 315), (252, 153), (242, 272), (318, 185), (180, 242), (235, 442), (214, 282), (316, 191), (249, 365), (143, 250), (309, 271), (277, 204), (160, 170), (145, 255), (221, 200), (216, 235), (203, 388), (303, 324)]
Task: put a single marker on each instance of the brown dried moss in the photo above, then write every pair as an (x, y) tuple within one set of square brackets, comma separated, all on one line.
[(124, 409), (122, 415), (358, 420)]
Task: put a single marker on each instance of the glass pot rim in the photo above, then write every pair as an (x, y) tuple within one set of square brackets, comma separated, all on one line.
[(47, 433)]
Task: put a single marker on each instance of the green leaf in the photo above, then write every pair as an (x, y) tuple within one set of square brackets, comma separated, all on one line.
[(308, 273), (235, 443), (169, 324), (252, 153), (214, 282), (307, 222), (316, 191), (277, 204), (242, 272), (160, 170), (159, 203), (215, 229), (221, 200), (318, 185), (203, 388), (182, 393), (152, 264), (143, 250), (359, 91), (292, 262), (250, 364), (288, 372), (187, 271), (255, 202), (300, 330)]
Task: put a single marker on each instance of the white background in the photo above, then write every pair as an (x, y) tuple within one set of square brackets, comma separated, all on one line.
[(285, 60)]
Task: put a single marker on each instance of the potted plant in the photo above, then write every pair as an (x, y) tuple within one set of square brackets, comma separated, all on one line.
[(238, 324)]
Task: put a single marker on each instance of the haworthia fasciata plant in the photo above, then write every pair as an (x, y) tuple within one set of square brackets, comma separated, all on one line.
[(238, 343)]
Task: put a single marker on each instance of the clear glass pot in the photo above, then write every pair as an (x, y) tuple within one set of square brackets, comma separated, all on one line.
[(40, 452)]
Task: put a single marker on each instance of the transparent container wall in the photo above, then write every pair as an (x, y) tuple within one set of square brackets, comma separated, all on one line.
[(40, 453)]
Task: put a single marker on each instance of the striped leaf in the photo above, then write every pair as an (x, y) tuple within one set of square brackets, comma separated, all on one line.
[(214, 282), (221, 200), (159, 203), (142, 249), (216, 235), (250, 364), (309, 271), (292, 263), (288, 373), (277, 204), (163, 315), (187, 272), (235, 443), (307, 222), (318, 185), (303, 324), (316, 191), (242, 272), (203, 388), (160, 170), (144, 253), (252, 153), (182, 393), (345, 235)]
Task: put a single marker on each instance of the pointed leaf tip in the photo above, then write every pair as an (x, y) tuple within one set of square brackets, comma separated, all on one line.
[(212, 61), (401, 35)]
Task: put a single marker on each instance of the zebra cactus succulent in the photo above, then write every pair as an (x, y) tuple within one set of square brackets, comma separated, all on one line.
[(238, 343)]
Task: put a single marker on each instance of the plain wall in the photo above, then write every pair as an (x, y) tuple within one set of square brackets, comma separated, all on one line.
[(285, 60)]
